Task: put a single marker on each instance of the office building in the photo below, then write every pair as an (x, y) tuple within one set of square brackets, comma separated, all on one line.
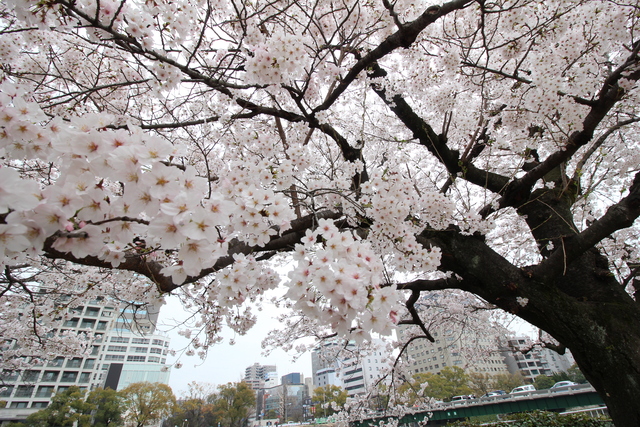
[(469, 349), (351, 367), (530, 361), (126, 349)]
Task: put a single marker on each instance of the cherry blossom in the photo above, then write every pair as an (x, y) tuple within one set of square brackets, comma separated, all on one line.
[(352, 154)]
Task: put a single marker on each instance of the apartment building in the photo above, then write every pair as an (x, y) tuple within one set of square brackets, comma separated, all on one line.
[(531, 361), (126, 349)]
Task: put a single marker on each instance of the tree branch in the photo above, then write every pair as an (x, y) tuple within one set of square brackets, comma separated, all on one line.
[(619, 216), (404, 37)]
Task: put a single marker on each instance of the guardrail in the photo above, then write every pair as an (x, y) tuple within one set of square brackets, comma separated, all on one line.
[(569, 390)]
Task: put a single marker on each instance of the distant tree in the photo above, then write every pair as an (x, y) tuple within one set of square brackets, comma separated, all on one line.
[(146, 402), (576, 375), (67, 408), (560, 376), (508, 382), (196, 408), (543, 382), (451, 381), (108, 407), (271, 414), (481, 383), (233, 402), (327, 398), (195, 412)]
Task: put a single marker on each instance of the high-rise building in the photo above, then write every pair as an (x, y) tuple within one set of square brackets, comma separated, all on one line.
[(468, 349), (288, 401), (259, 376), (292, 378), (530, 361), (349, 367), (126, 350)]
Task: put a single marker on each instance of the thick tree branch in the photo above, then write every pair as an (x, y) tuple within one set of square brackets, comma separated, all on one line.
[(619, 216), (143, 265), (519, 190), (436, 144), (415, 317)]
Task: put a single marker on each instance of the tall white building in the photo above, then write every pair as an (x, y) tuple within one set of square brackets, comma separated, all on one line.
[(126, 350), (471, 350), (259, 376), (531, 362), (348, 367)]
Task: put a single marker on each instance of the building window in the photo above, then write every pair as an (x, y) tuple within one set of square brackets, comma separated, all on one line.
[(102, 325), (114, 357), (153, 359), (157, 342), (30, 376), (5, 391), (57, 362), (84, 377), (89, 363), (24, 391), (71, 323), (50, 376), (139, 349), (39, 405), (136, 358), (120, 339), (155, 350), (74, 363), (92, 311), (69, 377), (120, 348), (44, 391), (95, 350), (18, 405), (139, 341)]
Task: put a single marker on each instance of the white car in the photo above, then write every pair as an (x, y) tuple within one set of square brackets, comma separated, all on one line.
[(528, 388), (561, 384)]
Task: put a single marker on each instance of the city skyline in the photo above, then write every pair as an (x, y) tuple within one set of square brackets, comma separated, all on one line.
[(227, 363)]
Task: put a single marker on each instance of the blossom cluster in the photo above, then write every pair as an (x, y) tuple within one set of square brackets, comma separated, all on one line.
[(338, 281), (279, 58), (88, 213)]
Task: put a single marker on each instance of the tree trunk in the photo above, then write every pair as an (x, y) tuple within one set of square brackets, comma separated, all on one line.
[(584, 307)]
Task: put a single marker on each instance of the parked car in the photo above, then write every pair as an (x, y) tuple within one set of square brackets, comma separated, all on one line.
[(495, 393), (527, 388), (561, 384)]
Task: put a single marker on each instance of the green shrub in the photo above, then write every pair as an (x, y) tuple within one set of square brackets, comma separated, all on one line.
[(543, 419)]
